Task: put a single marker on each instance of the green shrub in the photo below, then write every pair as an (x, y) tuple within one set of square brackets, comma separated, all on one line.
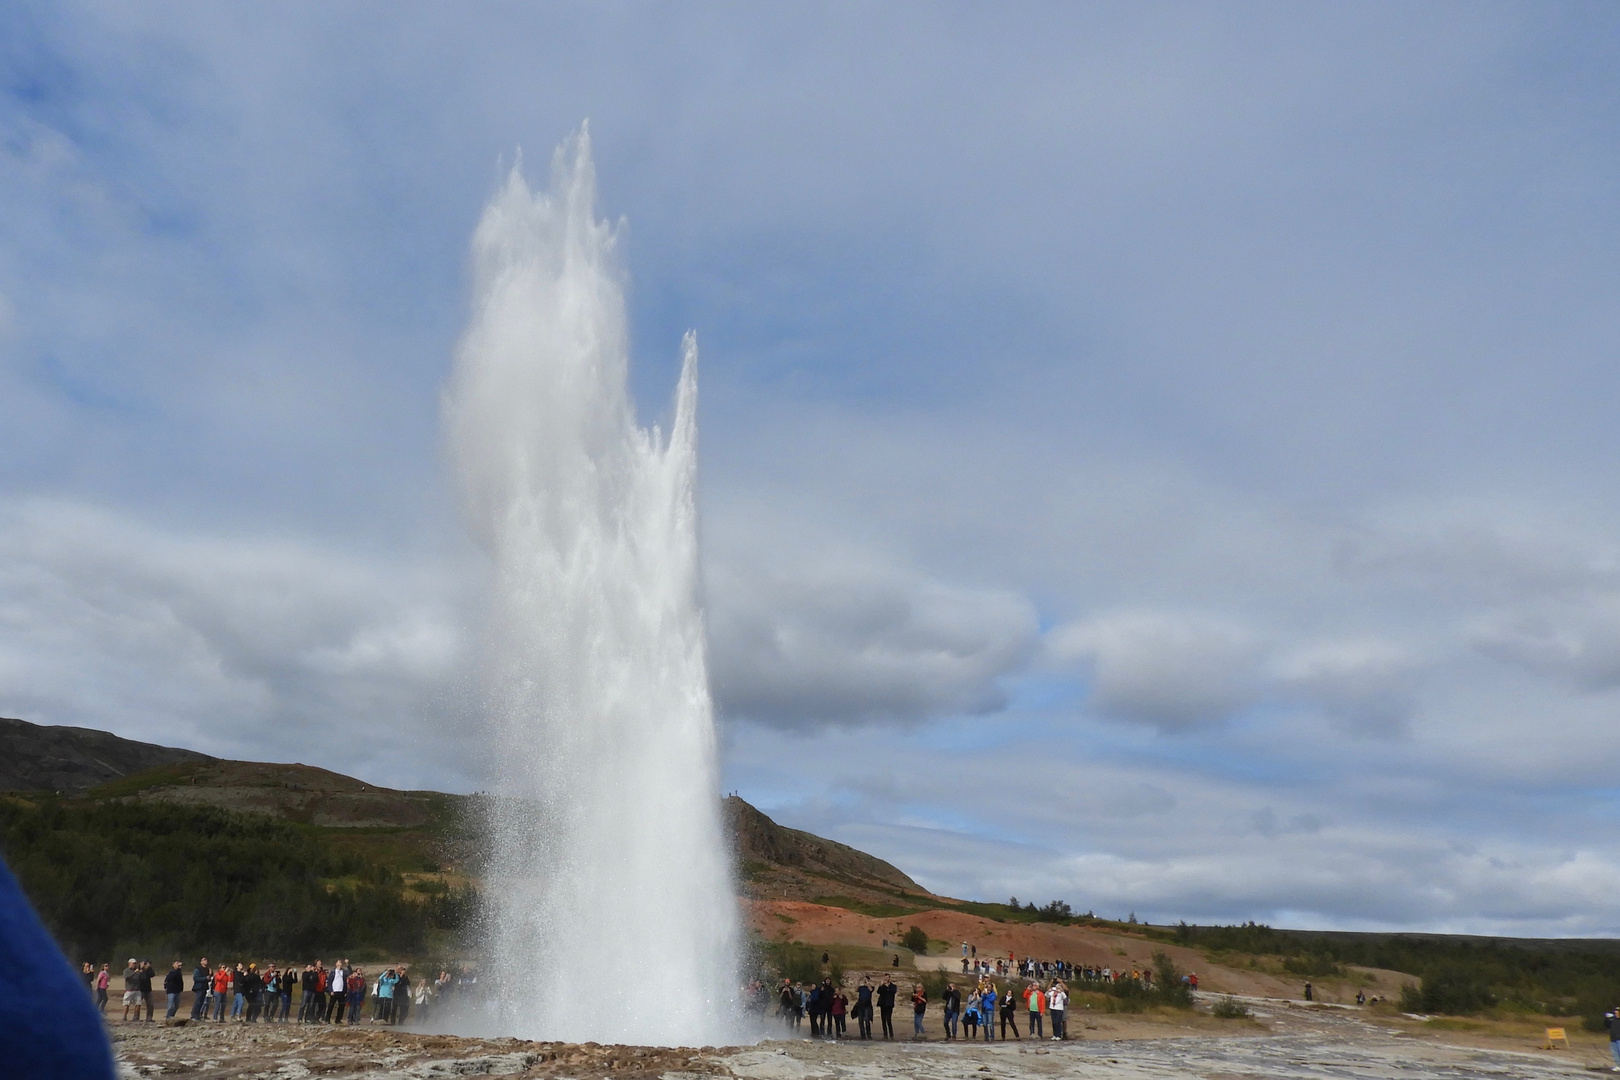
[(1167, 984), (1230, 1008), (186, 879), (916, 940), (792, 960), (1448, 990)]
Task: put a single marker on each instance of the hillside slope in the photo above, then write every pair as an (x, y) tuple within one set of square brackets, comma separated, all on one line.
[(413, 832), (773, 860), (35, 757)]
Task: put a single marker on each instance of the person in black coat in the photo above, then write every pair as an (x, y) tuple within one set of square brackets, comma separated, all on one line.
[(174, 984), (202, 978), (144, 986), (885, 999), (863, 1008), (251, 985)]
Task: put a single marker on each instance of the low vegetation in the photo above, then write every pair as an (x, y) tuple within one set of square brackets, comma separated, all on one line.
[(1456, 975), (112, 879)]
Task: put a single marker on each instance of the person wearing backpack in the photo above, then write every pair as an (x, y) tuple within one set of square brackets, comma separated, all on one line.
[(863, 1008)]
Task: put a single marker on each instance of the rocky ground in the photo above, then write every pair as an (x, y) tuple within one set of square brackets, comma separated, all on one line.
[(1284, 1041)]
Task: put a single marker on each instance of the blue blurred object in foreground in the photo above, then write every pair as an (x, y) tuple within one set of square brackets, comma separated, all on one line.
[(49, 1029)]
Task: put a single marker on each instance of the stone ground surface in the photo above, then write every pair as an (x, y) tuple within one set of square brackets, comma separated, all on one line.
[(1285, 1043)]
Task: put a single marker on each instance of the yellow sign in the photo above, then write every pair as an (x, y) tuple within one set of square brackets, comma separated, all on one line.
[(1556, 1033)]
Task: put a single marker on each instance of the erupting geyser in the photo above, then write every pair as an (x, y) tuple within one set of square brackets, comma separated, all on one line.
[(612, 913)]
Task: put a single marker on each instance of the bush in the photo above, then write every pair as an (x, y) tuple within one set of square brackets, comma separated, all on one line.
[(1448, 990), (189, 878), (1313, 964), (1167, 984), (1230, 1008), (1057, 911), (793, 960), (916, 940)]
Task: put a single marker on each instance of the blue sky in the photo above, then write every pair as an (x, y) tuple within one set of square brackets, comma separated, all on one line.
[(1157, 456)]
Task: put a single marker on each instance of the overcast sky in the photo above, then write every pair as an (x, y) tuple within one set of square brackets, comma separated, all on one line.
[(1161, 457)]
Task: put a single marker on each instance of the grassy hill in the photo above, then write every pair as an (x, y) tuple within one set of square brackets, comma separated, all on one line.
[(128, 848)]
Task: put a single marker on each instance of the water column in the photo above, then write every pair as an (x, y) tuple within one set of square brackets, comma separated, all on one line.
[(611, 913)]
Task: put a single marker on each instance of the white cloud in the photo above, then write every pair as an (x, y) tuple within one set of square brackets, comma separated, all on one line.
[(1284, 392), (846, 639), (1173, 671), (242, 646), (1365, 683)]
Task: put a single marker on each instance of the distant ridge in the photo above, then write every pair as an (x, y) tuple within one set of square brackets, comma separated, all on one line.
[(777, 860), (39, 757), (772, 860)]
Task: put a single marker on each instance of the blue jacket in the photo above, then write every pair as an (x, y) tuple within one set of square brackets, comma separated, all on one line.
[(48, 1026)]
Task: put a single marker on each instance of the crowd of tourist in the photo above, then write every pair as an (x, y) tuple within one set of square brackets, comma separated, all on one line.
[(246, 993), (249, 993), (829, 1008)]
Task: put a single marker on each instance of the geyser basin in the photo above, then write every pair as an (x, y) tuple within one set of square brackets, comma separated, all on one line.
[(612, 916)]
